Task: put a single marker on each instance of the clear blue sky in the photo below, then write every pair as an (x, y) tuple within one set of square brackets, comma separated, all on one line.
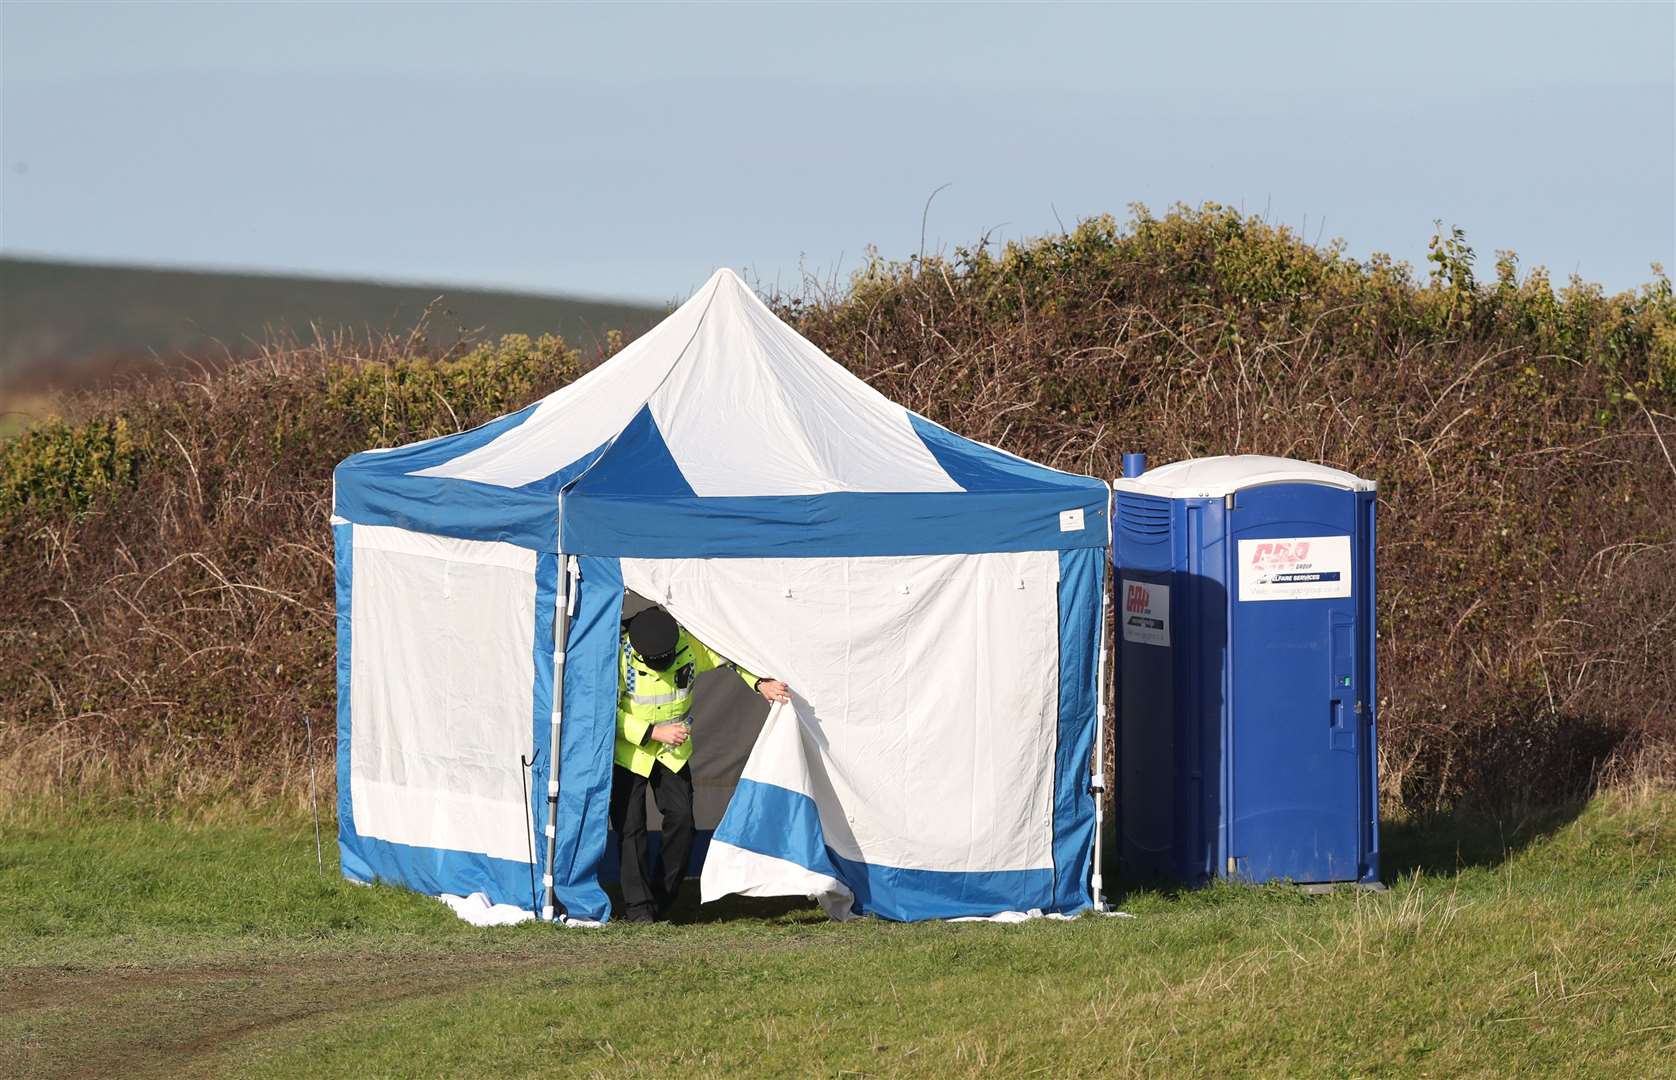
[(627, 150)]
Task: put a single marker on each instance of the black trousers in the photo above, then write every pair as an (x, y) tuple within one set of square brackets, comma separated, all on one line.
[(645, 886)]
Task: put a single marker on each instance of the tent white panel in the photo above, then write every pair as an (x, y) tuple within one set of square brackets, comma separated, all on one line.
[(757, 410), (926, 691), (441, 690)]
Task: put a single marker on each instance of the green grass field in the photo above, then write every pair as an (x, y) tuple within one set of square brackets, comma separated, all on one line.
[(208, 945)]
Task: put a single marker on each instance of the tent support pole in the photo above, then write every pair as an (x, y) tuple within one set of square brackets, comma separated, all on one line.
[(570, 574), (1098, 781)]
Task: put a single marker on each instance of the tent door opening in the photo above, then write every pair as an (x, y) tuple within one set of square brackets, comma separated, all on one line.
[(726, 720)]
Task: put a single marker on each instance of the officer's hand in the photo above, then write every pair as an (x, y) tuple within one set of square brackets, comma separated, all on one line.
[(774, 690), (670, 734)]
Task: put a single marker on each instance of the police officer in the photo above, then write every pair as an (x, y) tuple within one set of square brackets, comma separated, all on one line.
[(659, 663)]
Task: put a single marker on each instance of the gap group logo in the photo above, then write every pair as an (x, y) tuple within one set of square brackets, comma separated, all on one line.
[(1146, 613), (1285, 560), (1294, 568)]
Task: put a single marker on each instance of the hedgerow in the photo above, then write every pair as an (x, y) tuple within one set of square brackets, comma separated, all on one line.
[(165, 552)]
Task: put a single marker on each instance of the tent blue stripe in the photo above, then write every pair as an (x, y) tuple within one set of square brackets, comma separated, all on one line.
[(639, 461), (586, 736), (778, 822), (634, 501), (976, 467), (914, 895), (833, 525), (541, 708), (459, 508), (343, 562), (434, 871), (783, 824), (1081, 577)]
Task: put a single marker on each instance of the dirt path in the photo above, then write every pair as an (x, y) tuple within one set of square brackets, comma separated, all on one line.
[(179, 1020), (58, 1023)]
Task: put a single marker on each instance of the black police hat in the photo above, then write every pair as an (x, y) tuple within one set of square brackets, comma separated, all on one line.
[(653, 634)]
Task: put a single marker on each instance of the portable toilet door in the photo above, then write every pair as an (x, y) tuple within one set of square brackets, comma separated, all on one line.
[(1300, 799)]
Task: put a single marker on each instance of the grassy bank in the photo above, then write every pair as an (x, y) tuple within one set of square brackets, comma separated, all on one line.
[(206, 943)]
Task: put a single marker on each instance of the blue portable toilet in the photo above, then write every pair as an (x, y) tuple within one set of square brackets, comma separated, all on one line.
[(1246, 671)]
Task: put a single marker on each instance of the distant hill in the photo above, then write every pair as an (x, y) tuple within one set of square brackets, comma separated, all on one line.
[(67, 323)]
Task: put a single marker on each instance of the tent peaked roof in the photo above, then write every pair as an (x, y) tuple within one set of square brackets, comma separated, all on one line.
[(722, 403), (740, 400)]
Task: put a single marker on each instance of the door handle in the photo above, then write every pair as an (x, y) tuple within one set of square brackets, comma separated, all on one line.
[(1339, 737)]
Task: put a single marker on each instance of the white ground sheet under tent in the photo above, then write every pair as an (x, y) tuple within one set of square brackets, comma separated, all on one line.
[(934, 603)]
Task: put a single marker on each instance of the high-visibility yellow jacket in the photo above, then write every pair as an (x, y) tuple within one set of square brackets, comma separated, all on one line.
[(647, 697)]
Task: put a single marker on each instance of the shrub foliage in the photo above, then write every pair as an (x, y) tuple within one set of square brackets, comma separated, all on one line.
[(166, 558)]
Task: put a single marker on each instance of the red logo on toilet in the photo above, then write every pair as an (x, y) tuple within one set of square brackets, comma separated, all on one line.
[(1138, 599), (1269, 554)]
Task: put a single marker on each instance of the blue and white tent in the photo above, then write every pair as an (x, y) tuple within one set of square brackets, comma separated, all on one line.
[(934, 603)]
